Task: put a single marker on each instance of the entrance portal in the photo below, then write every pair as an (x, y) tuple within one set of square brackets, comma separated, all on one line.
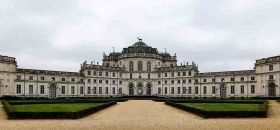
[(271, 90)]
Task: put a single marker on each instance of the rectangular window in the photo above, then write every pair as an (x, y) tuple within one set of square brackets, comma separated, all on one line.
[(271, 77), (149, 76), (213, 89), (213, 80), (252, 78), (270, 67), (159, 82), (72, 89), (172, 81), (190, 81), (120, 90), (242, 79), (179, 90), (222, 79), (159, 90), (18, 89), (242, 89), (62, 89), (184, 81), (253, 89), (204, 90), (100, 73), (88, 80), (63, 79), (130, 76), (114, 74), (190, 90), (179, 81), (114, 81), (94, 73), (107, 81), (190, 73), (232, 89), (42, 89), (42, 78), (165, 74), (172, 90), (81, 90), (72, 79), (159, 75), (178, 74), (120, 82), (204, 80), (100, 81), (196, 80), (88, 90), (165, 81), (100, 90), (18, 77), (107, 74), (196, 90), (232, 79), (30, 89), (165, 90), (113, 90), (30, 77), (184, 73), (89, 73), (94, 90), (53, 78), (107, 90), (184, 90)]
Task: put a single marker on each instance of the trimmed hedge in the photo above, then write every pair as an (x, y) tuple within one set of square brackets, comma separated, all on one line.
[(210, 101), (217, 114), (53, 115), (21, 102)]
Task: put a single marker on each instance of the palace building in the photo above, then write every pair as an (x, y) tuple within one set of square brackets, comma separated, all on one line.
[(140, 70)]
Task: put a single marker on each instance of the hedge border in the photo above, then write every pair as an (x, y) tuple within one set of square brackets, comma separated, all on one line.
[(53, 115), (222, 114), (210, 101)]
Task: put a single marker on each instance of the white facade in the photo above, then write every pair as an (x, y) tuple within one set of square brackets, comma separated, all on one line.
[(140, 70)]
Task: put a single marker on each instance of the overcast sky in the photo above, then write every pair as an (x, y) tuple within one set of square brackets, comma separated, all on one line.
[(218, 35)]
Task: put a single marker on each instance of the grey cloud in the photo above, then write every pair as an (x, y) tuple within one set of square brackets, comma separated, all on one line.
[(219, 35)]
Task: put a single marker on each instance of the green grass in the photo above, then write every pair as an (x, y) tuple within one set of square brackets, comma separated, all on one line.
[(225, 106), (62, 107)]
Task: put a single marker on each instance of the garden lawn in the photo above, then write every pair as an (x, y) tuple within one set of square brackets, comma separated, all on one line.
[(225, 106), (61, 107)]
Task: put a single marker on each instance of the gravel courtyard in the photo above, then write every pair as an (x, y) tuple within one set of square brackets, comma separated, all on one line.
[(145, 114)]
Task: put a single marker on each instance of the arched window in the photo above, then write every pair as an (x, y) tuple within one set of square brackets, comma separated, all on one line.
[(148, 66), (131, 66), (140, 66)]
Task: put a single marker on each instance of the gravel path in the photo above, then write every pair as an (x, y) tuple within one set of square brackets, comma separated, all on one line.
[(142, 115)]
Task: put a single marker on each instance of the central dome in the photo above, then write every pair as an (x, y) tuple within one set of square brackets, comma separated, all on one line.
[(139, 44)]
